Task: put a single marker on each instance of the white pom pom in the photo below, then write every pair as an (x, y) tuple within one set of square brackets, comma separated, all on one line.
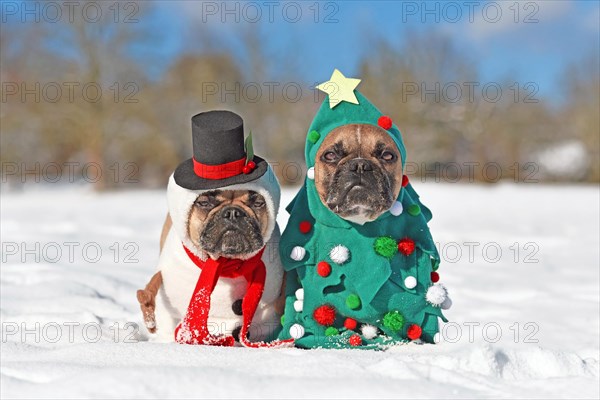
[(310, 173), (436, 294), (369, 331), (396, 209), (410, 282), (339, 254), (446, 304), (298, 305), (298, 253), (296, 331), (300, 294)]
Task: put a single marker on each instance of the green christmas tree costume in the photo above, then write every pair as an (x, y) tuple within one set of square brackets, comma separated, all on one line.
[(349, 285)]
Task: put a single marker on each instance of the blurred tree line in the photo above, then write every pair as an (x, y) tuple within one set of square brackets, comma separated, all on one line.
[(138, 128)]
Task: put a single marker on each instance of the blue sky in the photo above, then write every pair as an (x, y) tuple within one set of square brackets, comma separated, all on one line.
[(532, 40)]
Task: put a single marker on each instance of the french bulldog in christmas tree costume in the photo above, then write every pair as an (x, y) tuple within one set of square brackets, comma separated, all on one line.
[(219, 272), (360, 261)]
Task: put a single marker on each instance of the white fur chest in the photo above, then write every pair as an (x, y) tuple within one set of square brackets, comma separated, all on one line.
[(180, 276)]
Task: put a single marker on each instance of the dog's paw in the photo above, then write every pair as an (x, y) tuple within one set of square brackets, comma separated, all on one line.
[(147, 305)]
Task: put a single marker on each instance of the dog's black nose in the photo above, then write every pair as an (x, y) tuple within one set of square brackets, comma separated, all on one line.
[(232, 213), (360, 165)]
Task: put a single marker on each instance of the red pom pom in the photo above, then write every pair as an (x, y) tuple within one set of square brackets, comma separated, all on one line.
[(406, 246), (246, 170), (350, 324), (251, 164), (355, 340), (324, 315), (385, 122), (323, 268), (414, 332), (305, 227), (435, 277), (404, 180)]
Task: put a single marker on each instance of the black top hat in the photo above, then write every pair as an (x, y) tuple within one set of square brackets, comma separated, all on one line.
[(219, 155)]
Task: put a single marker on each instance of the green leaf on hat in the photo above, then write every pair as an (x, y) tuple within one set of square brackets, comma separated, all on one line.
[(249, 149)]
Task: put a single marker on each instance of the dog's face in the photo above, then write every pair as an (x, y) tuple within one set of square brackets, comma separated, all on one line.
[(358, 172), (229, 223)]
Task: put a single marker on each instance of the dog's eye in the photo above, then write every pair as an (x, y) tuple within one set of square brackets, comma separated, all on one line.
[(258, 204), (203, 203), (388, 156), (330, 156)]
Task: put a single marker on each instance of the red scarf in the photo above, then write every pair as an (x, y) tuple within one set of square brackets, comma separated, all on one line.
[(194, 328)]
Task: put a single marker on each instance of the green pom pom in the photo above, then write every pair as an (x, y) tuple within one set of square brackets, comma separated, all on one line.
[(386, 246), (331, 331), (435, 264), (414, 210), (393, 321), (313, 136), (282, 319), (353, 301)]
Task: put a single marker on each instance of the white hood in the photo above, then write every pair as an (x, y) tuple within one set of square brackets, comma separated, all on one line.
[(181, 200)]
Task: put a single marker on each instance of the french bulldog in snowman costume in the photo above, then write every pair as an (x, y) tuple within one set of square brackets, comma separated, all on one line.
[(219, 275)]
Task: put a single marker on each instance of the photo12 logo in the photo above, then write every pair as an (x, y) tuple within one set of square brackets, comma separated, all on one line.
[(489, 332), (469, 92), (69, 331), (269, 11), (68, 92), (69, 252), (69, 11), (68, 172), (525, 12), (251, 92)]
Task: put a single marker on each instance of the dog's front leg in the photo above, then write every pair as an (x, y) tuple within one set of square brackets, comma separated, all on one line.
[(147, 299)]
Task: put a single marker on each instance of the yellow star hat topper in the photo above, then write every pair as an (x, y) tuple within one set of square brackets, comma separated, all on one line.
[(339, 88)]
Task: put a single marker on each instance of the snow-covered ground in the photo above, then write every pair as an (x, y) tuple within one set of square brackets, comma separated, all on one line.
[(525, 321)]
